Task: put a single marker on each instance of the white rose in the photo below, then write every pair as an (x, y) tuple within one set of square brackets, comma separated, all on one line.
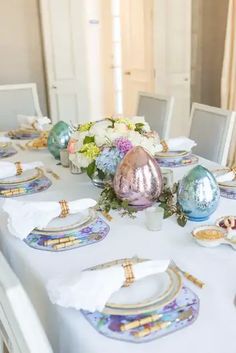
[(79, 137), (121, 128), (99, 126), (138, 120), (141, 120), (80, 160)]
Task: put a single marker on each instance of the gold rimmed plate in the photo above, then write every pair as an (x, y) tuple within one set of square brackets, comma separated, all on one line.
[(147, 294), (225, 184), (172, 155), (25, 177), (69, 223)]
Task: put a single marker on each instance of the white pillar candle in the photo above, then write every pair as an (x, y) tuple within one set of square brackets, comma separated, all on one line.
[(154, 217), (168, 178), (64, 157)]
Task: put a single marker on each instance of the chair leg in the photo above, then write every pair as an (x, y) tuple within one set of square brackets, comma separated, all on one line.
[(2, 350)]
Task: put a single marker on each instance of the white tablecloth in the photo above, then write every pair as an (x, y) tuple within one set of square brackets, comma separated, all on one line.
[(68, 331)]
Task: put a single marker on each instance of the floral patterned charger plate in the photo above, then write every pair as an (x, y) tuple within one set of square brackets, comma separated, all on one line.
[(173, 308), (23, 134), (181, 162), (7, 150), (29, 182), (178, 314), (68, 233)]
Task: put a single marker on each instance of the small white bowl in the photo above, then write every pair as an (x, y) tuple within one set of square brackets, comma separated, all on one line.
[(221, 219), (210, 243)]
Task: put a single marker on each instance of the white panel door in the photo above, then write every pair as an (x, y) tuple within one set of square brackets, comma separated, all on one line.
[(172, 42), (72, 45), (137, 47)]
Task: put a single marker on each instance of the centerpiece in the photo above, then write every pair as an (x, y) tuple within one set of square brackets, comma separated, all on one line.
[(119, 155), (98, 147)]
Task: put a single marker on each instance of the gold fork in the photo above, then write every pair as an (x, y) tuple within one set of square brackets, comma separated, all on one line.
[(187, 275), (20, 146), (55, 175)]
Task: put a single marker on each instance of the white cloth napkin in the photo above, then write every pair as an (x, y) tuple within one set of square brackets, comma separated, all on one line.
[(180, 144), (227, 176), (34, 122), (91, 290), (4, 139), (24, 216), (8, 169)]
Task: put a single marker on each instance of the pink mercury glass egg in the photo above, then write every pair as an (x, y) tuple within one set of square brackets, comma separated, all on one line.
[(138, 178)]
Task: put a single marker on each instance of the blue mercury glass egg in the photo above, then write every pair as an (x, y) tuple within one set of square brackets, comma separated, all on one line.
[(58, 138), (198, 194)]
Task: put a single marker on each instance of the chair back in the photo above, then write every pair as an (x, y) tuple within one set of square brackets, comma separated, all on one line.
[(212, 129), (157, 110), (17, 99), (20, 327)]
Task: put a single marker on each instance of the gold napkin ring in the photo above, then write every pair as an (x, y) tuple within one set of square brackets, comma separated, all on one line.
[(19, 169), (34, 125), (129, 275), (164, 145), (234, 170), (64, 209)]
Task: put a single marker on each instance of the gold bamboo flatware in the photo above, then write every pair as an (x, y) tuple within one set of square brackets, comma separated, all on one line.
[(20, 146), (107, 216), (61, 243), (13, 192), (66, 244), (55, 175), (58, 240), (187, 275), (140, 322), (163, 324)]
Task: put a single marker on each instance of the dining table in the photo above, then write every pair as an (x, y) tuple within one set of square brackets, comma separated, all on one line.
[(66, 328)]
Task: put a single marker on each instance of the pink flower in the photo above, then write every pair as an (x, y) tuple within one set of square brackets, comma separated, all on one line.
[(123, 144), (71, 146)]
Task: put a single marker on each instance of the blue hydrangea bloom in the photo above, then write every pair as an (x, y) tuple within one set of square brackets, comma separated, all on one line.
[(108, 160)]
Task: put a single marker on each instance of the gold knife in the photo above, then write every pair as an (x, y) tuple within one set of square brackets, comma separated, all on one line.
[(163, 324)]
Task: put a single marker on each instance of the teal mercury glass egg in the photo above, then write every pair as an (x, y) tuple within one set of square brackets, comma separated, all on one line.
[(58, 138), (198, 194)]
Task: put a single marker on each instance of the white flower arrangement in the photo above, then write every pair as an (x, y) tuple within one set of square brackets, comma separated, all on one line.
[(110, 140)]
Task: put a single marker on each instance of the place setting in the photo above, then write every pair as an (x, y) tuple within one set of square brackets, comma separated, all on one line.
[(19, 179), (6, 147), (31, 127), (226, 178), (139, 299), (56, 225), (176, 152)]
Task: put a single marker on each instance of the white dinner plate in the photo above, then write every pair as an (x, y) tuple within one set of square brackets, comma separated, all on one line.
[(25, 177), (225, 184), (142, 292), (172, 155), (69, 223), (147, 294)]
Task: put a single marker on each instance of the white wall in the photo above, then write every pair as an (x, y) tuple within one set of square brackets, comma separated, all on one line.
[(21, 58)]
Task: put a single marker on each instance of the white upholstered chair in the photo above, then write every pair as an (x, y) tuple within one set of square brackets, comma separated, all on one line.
[(157, 110), (17, 99), (20, 328), (212, 129)]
